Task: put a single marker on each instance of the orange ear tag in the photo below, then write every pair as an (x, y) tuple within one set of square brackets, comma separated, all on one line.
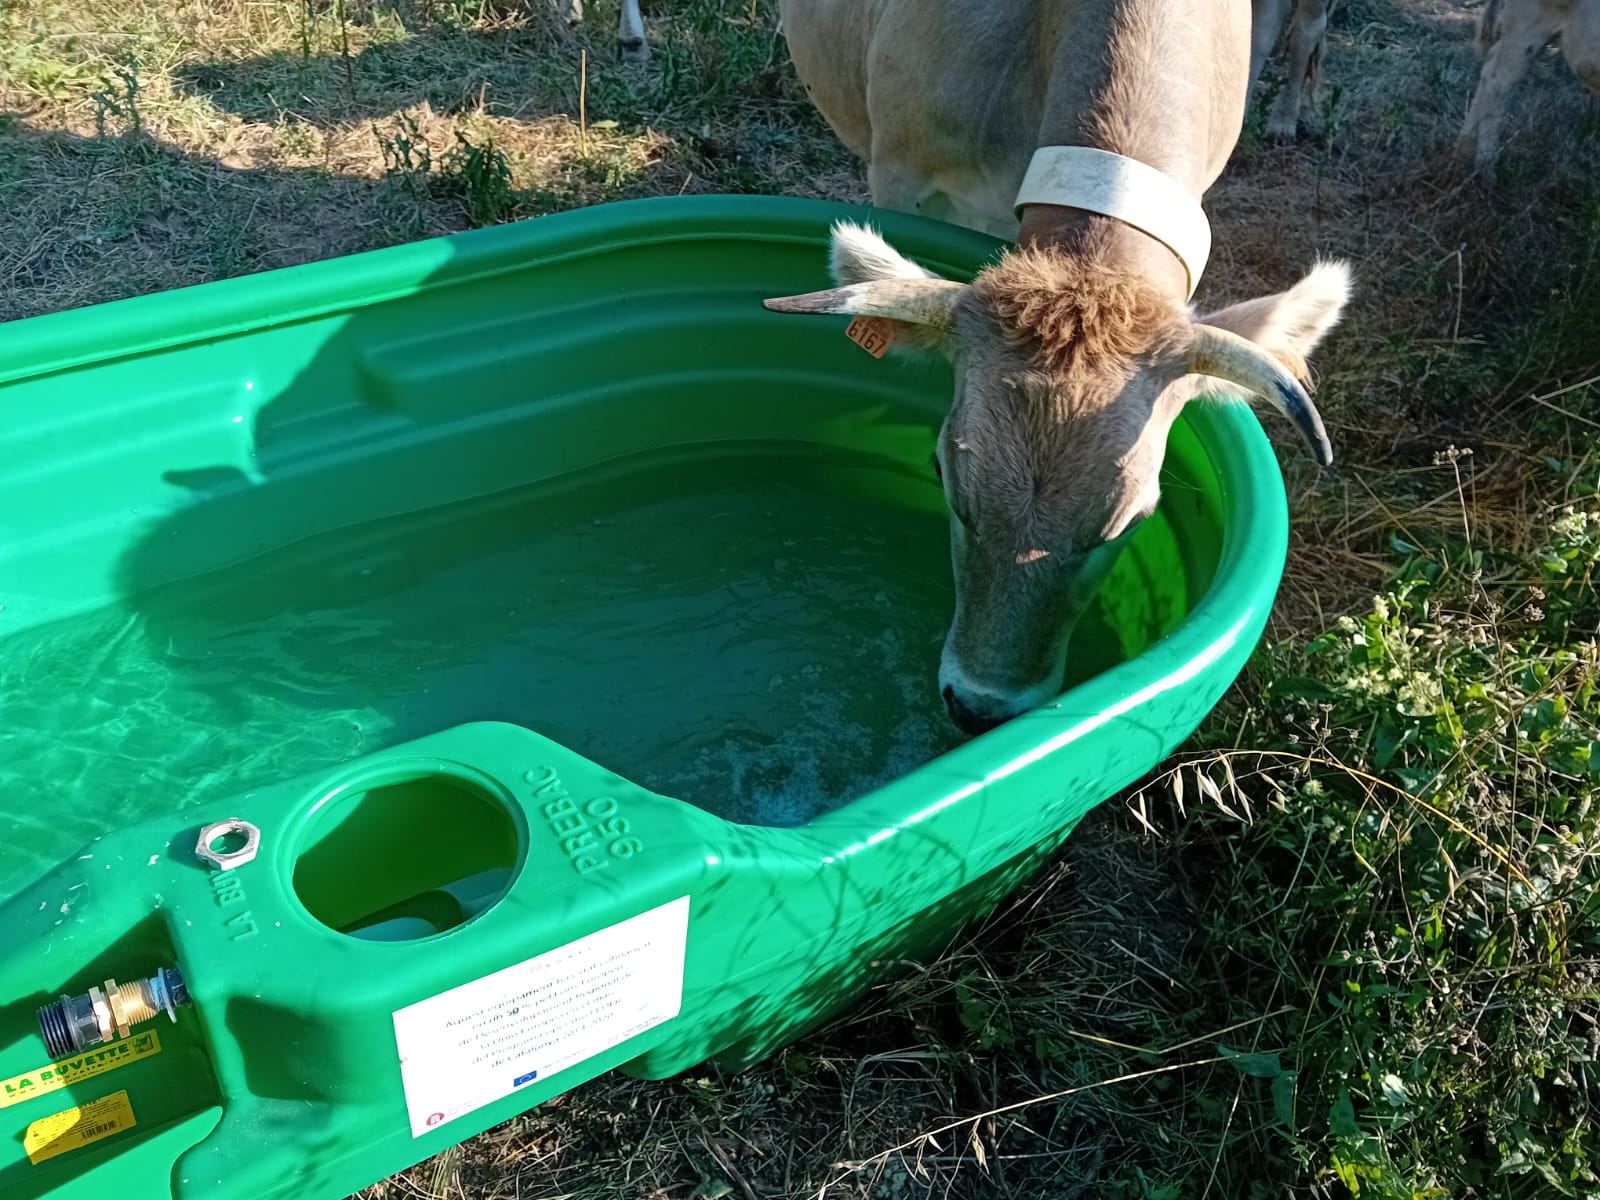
[(872, 334)]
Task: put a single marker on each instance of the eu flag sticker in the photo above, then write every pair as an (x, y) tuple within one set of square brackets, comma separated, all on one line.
[(522, 1079)]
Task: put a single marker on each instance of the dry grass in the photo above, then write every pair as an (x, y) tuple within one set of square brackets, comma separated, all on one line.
[(147, 146), (144, 146), (1448, 278)]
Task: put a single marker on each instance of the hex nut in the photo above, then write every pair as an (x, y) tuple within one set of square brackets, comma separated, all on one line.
[(227, 860)]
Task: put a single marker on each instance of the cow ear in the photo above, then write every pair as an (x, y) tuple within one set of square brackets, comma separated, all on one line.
[(1260, 347), (916, 306), (1290, 325), (857, 254)]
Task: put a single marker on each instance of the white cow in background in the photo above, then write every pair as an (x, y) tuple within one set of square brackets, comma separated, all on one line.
[(1510, 34), (631, 43), (1304, 68)]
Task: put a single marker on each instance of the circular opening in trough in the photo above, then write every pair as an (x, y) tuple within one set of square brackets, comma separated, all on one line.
[(405, 857)]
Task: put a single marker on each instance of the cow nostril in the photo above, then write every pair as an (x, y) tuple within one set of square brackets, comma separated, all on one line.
[(965, 718), (953, 705)]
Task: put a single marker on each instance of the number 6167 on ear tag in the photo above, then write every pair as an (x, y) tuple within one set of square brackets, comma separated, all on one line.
[(872, 334)]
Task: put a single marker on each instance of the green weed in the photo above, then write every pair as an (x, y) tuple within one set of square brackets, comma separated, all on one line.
[(407, 157), (478, 172), (34, 63), (483, 176), (1253, 134), (119, 99), (1426, 803)]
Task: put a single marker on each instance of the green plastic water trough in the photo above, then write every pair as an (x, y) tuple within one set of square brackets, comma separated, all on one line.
[(560, 629)]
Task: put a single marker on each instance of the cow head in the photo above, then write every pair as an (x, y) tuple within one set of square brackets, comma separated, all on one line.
[(1067, 380)]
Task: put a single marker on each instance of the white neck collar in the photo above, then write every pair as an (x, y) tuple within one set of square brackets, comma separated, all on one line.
[(1131, 191)]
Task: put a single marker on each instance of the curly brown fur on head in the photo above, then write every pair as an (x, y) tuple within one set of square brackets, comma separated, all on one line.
[(1076, 318)]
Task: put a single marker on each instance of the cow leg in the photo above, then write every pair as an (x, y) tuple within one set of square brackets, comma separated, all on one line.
[(1305, 66), (631, 43), (1266, 25), (1524, 30)]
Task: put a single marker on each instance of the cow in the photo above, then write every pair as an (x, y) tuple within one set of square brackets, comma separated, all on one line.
[(631, 43), (1086, 132), (1510, 33), (1305, 56)]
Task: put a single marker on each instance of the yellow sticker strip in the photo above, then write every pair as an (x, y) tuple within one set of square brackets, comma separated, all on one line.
[(78, 1126), (57, 1075)]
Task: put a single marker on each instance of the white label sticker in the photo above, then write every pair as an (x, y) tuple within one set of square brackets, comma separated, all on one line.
[(472, 1045)]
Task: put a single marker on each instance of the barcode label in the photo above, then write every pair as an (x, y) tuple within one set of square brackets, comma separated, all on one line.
[(78, 1126)]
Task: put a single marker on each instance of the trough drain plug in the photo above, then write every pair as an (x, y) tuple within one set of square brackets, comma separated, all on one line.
[(74, 1023)]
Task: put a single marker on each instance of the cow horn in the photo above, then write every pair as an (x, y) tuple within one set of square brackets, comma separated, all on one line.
[(929, 302), (1223, 354)]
